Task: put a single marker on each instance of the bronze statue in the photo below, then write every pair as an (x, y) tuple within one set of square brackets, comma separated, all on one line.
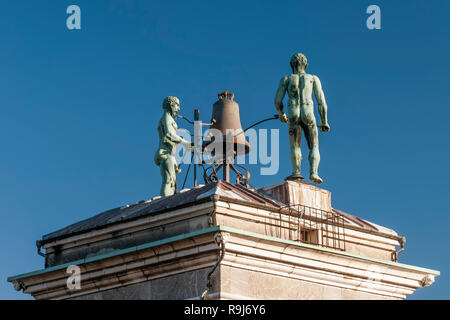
[(168, 140), (300, 86)]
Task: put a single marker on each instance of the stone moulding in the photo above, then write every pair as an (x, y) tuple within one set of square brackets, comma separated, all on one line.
[(244, 252), (216, 207)]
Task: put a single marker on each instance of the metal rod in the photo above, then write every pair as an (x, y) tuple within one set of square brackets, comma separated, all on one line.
[(196, 118), (226, 172), (187, 173), (259, 122), (184, 118)]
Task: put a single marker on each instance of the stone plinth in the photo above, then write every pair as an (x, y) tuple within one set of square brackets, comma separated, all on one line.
[(164, 248), (300, 193)]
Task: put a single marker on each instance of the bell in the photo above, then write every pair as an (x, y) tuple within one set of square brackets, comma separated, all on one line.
[(225, 117)]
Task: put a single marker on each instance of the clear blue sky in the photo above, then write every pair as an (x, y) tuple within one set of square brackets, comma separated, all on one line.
[(79, 109)]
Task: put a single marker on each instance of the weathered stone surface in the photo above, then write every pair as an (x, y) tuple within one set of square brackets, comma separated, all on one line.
[(121, 240), (294, 193), (168, 255), (252, 266), (187, 285), (260, 285)]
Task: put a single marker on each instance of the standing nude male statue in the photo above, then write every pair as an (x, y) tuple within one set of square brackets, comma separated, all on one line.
[(168, 140), (299, 87)]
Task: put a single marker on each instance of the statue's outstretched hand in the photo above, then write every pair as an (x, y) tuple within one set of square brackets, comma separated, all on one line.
[(325, 127), (283, 117)]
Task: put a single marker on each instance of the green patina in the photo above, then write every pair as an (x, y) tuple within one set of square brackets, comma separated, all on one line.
[(300, 115), (168, 140)]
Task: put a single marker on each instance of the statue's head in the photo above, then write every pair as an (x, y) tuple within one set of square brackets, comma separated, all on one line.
[(298, 62), (171, 105)]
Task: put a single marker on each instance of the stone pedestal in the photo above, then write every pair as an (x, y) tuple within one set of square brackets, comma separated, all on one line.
[(299, 192), (248, 240)]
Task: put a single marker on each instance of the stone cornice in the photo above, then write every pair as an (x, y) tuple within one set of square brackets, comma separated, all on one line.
[(242, 250)]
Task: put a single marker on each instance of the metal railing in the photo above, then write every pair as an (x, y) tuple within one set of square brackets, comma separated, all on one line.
[(313, 226)]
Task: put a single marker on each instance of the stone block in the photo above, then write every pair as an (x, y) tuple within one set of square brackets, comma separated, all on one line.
[(302, 193)]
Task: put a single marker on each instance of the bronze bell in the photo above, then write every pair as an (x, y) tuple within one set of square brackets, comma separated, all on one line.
[(225, 115)]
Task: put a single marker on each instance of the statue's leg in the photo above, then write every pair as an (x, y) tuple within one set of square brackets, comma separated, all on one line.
[(165, 180), (168, 176), (312, 137), (295, 137)]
